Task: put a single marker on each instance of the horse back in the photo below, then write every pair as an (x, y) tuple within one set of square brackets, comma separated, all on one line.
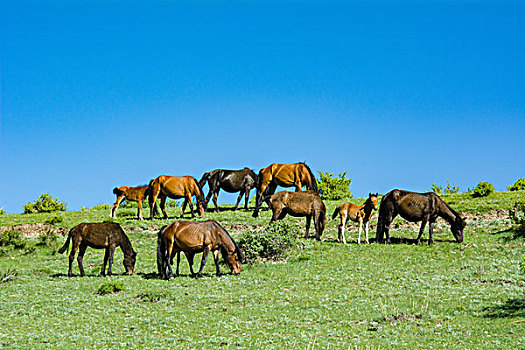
[(98, 235), (413, 206)]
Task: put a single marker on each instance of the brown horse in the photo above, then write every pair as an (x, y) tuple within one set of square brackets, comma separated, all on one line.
[(105, 235), (195, 237), (356, 213), (131, 194), (284, 175), (306, 203), (414, 207), (175, 187)]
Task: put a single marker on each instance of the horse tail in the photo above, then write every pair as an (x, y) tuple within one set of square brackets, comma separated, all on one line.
[(237, 249), (66, 245), (203, 179), (336, 211), (381, 216), (312, 179), (200, 194), (161, 251), (117, 191)]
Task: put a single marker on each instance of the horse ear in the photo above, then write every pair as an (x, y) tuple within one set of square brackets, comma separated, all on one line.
[(369, 194)]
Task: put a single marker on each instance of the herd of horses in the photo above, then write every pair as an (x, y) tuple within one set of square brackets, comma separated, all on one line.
[(210, 237)]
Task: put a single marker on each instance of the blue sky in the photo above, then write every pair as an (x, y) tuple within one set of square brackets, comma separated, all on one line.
[(400, 94)]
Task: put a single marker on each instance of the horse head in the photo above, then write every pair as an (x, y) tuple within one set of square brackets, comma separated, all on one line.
[(233, 260), (457, 227), (372, 198), (129, 262)]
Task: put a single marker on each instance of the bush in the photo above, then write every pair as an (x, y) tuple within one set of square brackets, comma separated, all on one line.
[(270, 243), (55, 220), (100, 207), (334, 188), (2, 212), (450, 189), (48, 239), (110, 288), (517, 214), (518, 185), (44, 204), (12, 237), (483, 189)]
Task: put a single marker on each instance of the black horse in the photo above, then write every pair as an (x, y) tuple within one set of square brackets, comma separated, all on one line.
[(232, 181), (414, 207)]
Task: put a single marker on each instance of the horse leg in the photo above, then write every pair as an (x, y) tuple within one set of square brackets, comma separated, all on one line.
[(308, 221), (341, 232), (205, 253), (111, 253), (360, 220), (421, 229), (72, 257), (106, 257), (238, 200), (190, 202), (216, 258), (189, 257), (430, 232), (184, 207), (210, 193), (215, 195), (139, 212), (178, 263), (298, 186), (246, 197), (318, 226), (366, 232), (81, 251), (163, 206), (115, 206), (152, 199)]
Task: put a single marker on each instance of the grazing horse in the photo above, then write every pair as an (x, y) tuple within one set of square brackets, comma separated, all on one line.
[(284, 175), (196, 237), (306, 203), (241, 181), (105, 235), (131, 194), (175, 187), (356, 213), (414, 207)]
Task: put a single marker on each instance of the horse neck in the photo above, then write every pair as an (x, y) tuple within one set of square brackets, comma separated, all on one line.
[(367, 207), (446, 212), (125, 245)]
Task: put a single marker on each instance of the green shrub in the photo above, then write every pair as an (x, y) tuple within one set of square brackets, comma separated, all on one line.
[(152, 296), (517, 215), (336, 188), (270, 243), (450, 189), (55, 220), (110, 288), (518, 185), (100, 207), (12, 238), (483, 189), (2, 212), (48, 239), (44, 204), (437, 189)]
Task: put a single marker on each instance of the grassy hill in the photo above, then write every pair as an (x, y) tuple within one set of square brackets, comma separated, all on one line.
[(320, 295)]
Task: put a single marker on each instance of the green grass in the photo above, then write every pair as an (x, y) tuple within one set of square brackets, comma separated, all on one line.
[(323, 295)]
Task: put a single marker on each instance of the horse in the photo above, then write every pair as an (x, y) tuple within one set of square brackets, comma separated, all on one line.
[(356, 213), (231, 181), (105, 235), (305, 203), (284, 175), (175, 187), (195, 237), (414, 207), (131, 194)]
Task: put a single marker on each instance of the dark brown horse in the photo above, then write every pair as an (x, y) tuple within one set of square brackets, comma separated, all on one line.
[(196, 237), (105, 235), (231, 181), (305, 203), (414, 207), (284, 175), (356, 213), (131, 194), (175, 187)]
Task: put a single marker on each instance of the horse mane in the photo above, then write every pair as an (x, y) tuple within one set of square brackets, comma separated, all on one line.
[(237, 249), (312, 178), (455, 213)]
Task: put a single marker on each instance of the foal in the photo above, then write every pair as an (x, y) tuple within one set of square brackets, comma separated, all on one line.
[(356, 213)]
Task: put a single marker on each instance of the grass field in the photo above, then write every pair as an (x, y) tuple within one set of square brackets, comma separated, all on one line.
[(321, 295)]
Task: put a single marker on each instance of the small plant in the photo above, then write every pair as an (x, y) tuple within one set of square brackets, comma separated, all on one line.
[(12, 237), (450, 189), (2, 212), (519, 185), (101, 207), (48, 239), (44, 204), (517, 215), (55, 220), (437, 189), (110, 288), (152, 296), (270, 243), (334, 188), (483, 189)]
